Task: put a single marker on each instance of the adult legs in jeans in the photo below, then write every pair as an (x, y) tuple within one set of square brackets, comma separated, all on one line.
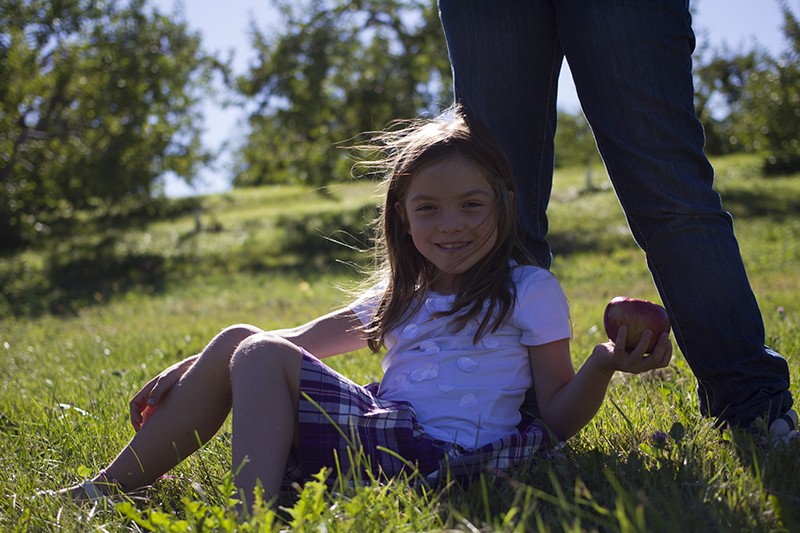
[(631, 62)]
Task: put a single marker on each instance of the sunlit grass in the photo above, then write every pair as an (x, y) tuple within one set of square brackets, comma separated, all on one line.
[(647, 462)]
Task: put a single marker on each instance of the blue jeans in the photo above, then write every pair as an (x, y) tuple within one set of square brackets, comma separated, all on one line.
[(632, 67)]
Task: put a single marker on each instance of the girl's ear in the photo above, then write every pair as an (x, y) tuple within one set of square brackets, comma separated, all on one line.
[(511, 197), (401, 212)]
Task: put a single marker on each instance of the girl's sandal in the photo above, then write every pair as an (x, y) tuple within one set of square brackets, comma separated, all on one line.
[(88, 491), (91, 492)]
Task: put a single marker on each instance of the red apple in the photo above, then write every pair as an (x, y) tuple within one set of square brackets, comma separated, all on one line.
[(638, 315)]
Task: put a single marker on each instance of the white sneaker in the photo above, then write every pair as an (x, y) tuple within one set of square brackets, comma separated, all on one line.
[(784, 429)]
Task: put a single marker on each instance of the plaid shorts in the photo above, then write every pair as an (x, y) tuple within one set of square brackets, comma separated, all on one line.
[(339, 419)]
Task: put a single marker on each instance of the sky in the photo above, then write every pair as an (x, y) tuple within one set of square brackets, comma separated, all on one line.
[(224, 27)]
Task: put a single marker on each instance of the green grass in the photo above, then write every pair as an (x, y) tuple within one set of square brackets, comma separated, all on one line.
[(74, 348)]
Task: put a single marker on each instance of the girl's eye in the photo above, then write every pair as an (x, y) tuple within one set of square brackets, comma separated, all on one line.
[(424, 207), (473, 204)]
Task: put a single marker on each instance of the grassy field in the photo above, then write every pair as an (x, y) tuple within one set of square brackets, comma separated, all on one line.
[(88, 319)]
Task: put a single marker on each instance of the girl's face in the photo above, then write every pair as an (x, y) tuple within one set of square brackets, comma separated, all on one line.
[(449, 211)]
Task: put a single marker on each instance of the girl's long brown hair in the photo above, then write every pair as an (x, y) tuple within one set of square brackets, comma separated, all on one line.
[(405, 271)]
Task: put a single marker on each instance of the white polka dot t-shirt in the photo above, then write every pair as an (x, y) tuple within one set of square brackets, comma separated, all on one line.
[(467, 394)]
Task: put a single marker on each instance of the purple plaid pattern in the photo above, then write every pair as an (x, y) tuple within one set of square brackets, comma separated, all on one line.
[(336, 414), (460, 464)]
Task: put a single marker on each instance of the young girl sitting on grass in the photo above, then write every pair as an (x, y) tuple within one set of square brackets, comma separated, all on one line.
[(468, 322)]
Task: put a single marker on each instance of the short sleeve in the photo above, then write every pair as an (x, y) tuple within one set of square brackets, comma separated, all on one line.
[(364, 307), (541, 311)]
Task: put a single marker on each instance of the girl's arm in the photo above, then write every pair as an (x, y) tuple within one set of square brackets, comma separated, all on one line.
[(333, 334), (568, 401)]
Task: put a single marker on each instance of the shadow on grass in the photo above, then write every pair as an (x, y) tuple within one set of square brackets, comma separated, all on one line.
[(774, 202), (626, 491), (91, 266), (566, 243), (93, 270), (121, 216), (775, 466), (78, 274)]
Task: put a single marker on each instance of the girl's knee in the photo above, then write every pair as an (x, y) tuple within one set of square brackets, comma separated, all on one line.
[(221, 348), (236, 334), (265, 351)]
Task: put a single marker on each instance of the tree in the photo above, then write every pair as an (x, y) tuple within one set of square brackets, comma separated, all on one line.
[(335, 69), (720, 96), (99, 100), (751, 101), (575, 144), (773, 104)]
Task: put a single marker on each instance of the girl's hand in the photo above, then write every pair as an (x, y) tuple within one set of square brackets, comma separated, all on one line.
[(611, 356), (147, 399)]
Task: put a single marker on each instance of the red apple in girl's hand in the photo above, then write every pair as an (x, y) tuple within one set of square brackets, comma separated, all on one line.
[(638, 315)]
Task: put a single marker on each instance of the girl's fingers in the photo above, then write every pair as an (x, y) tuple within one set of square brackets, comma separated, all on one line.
[(665, 350), (619, 342), (139, 402), (644, 342), (154, 391), (661, 355), (166, 380), (161, 386), (136, 414), (637, 361)]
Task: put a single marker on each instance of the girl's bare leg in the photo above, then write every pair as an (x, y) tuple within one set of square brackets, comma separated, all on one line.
[(265, 374), (186, 418)]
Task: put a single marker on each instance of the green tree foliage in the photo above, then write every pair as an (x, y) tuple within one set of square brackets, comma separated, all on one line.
[(574, 141), (575, 145), (99, 99), (750, 101), (332, 70), (720, 96), (772, 117)]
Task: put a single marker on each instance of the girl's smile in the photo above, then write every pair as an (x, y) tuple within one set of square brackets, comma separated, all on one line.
[(449, 212)]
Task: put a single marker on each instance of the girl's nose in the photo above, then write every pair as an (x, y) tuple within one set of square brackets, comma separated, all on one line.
[(450, 222)]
